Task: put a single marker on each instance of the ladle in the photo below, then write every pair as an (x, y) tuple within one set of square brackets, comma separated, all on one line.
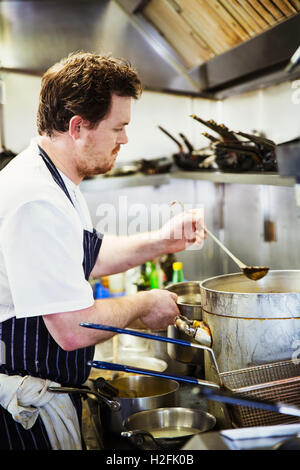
[(252, 272)]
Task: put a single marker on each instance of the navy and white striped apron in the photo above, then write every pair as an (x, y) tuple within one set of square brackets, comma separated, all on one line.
[(31, 350)]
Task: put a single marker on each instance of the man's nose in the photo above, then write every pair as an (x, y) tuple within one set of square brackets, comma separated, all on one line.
[(122, 138)]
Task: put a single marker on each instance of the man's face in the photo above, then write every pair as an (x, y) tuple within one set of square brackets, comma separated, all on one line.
[(98, 148)]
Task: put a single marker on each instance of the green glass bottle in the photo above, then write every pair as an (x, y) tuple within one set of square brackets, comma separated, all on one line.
[(154, 278), (143, 282), (152, 274), (177, 272)]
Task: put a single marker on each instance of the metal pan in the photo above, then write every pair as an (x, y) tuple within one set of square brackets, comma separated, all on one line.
[(138, 393), (169, 428)]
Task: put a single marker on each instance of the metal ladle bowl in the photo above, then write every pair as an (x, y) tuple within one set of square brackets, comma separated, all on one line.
[(252, 272)]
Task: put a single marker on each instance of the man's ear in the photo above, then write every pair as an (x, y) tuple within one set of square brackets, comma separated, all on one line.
[(75, 125)]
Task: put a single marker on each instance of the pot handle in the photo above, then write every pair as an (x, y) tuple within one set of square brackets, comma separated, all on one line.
[(102, 386), (138, 437), (113, 404), (197, 329)]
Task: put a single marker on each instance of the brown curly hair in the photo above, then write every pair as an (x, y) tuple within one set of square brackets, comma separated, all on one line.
[(83, 84)]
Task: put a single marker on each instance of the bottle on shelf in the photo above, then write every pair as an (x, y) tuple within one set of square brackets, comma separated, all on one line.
[(151, 274), (132, 277), (177, 272), (166, 262), (148, 269), (162, 278), (154, 276), (116, 285), (143, 282), (100, 292)]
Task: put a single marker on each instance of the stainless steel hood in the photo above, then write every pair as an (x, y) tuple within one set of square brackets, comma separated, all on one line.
[(35, 34)]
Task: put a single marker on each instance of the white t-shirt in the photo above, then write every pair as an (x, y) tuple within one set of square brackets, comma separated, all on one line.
[(41, 241)]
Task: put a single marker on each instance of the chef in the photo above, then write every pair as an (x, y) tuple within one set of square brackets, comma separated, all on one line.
[(49, 249)]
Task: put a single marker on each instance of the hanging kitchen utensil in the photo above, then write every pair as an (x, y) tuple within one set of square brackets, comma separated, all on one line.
[(209, 390), (187, 142), (238, 151), (156, 166), (189, 160)]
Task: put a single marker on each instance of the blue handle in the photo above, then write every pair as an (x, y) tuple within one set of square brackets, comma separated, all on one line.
[(234, 399), (181, 342), (210, 394), (220, 395), (137, 370)]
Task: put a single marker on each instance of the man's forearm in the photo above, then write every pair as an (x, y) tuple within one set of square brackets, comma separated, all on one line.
[(118, 254), (65, 329)]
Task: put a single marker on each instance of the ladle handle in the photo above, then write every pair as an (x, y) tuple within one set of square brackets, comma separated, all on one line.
[(237, 261)]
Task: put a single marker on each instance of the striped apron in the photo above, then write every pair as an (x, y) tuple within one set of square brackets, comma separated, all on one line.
[(31, 350)]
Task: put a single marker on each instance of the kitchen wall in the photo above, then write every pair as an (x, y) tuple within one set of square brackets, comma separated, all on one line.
[(145, 139), (235, 212), (274, 110)]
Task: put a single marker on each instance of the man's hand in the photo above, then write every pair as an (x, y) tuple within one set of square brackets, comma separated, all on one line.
[(161, 308), (183, 230)]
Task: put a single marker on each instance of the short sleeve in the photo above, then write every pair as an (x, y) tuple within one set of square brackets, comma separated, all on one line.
[(43, 254)]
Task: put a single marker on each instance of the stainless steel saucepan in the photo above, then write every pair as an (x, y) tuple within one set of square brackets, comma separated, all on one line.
[(137, 393), (124, 396), (166, 428)]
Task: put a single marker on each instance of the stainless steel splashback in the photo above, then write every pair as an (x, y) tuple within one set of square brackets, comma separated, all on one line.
[(237, 218), (234, 212)]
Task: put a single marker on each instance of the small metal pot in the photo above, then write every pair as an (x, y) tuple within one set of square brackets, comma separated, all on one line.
[(166, 427), (189, 304), (137, 393)]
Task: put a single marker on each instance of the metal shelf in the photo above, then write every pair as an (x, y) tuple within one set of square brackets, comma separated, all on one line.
[(102, 183), (273, 179)]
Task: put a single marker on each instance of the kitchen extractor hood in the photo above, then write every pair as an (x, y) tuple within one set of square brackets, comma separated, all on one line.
[(212, 49)]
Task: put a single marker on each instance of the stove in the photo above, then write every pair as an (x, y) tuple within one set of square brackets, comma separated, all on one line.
[(252, 438)]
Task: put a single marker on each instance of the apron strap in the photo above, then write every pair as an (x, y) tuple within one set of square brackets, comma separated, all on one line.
[(54, 173)]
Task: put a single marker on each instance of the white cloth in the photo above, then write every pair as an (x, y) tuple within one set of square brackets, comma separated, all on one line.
[(41, 241), (28, 397)]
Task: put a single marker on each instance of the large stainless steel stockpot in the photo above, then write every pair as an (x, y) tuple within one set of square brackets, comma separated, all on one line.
[(252, 322)]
